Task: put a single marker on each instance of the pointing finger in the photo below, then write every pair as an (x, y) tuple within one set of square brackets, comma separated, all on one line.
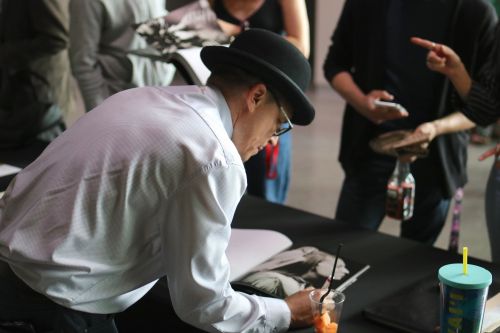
[(427, 44)]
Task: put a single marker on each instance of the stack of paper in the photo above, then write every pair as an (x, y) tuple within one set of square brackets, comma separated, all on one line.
[(491, 322), (249, 247), (6, 169)]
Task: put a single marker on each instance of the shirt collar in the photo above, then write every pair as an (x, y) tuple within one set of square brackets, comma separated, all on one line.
[(225, 114)]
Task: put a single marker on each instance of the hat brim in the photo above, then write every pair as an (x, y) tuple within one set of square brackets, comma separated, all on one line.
[(302, 109)]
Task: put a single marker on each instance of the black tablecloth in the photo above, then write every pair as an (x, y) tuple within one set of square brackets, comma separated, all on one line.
[(395, 263)]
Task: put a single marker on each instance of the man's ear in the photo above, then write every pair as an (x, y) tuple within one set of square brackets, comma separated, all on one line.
[(256, 96)]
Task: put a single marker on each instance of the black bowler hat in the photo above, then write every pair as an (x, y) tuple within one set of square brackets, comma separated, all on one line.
[(273, 59)]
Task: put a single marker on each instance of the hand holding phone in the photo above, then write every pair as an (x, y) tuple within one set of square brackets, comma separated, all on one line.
[(388, 110), (391, 105)]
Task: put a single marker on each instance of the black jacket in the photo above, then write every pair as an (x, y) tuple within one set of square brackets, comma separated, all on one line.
[(483, 102), (358, 47)]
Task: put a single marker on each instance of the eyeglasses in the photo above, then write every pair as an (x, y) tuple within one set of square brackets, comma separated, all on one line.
[(285, 126)]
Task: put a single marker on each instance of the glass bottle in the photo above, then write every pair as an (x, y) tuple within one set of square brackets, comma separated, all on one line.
[(400, 192)]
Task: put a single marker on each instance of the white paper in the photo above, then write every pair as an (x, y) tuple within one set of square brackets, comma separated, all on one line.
[(249, 247), (491, 322), (191, 60), (6, 169)]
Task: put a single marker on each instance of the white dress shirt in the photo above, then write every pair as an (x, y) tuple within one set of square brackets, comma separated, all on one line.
[(143, 186)]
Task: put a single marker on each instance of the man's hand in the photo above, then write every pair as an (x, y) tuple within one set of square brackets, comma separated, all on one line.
[(444, 60), (440, 58), (300, 308), (364, 103), (490, 152), (379, 114)]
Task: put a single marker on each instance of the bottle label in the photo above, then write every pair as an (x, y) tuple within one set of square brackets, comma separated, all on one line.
[(393, 204), (408, 193), (400, 200)]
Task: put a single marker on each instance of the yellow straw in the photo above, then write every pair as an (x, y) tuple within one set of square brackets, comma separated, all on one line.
[(464, 252)]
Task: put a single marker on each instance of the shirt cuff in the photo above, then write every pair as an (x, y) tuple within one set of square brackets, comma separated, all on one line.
[(278, 314)]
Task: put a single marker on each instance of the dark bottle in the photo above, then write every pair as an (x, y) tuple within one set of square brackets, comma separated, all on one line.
[(400, 192)]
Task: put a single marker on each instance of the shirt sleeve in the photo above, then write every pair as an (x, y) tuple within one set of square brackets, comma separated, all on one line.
[(340, 57), (50, 21), (197, 266), (482, 105), (85, 32)]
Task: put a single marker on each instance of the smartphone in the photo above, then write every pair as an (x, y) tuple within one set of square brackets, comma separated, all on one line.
[(391, 105)]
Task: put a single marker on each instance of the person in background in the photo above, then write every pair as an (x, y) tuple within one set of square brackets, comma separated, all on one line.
[(34, 69), (101, 35), (371, 58), (146, 186), (268, 172), (481, 97), (482, 134)]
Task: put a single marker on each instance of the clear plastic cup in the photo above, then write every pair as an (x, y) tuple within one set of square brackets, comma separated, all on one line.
[(463, 298), (327, 314)]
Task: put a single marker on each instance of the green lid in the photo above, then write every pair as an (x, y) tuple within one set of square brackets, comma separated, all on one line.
[(476, 278)]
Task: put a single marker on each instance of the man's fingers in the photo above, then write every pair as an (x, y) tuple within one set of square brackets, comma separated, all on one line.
[(427, 44), (407, 158), (486, 155), (381, 114), (380, 94), (392, 115), (439, 49), (434, 57), (436, 49), (489, 152), (385, 95), (434, 62)]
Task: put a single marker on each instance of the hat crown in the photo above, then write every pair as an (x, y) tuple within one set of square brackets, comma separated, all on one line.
[(276, 51), (272, 59)]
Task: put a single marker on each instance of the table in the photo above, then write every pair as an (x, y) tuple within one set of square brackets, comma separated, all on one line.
[(395, 263)]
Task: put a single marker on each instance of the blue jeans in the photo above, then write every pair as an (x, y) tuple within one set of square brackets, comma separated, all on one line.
[(362, 201), (259, 184)]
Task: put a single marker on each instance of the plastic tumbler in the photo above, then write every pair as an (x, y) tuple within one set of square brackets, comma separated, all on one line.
[(463, 297), (327, 314)]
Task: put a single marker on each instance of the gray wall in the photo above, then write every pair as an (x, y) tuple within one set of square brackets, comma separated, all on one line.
[(327, 14)]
